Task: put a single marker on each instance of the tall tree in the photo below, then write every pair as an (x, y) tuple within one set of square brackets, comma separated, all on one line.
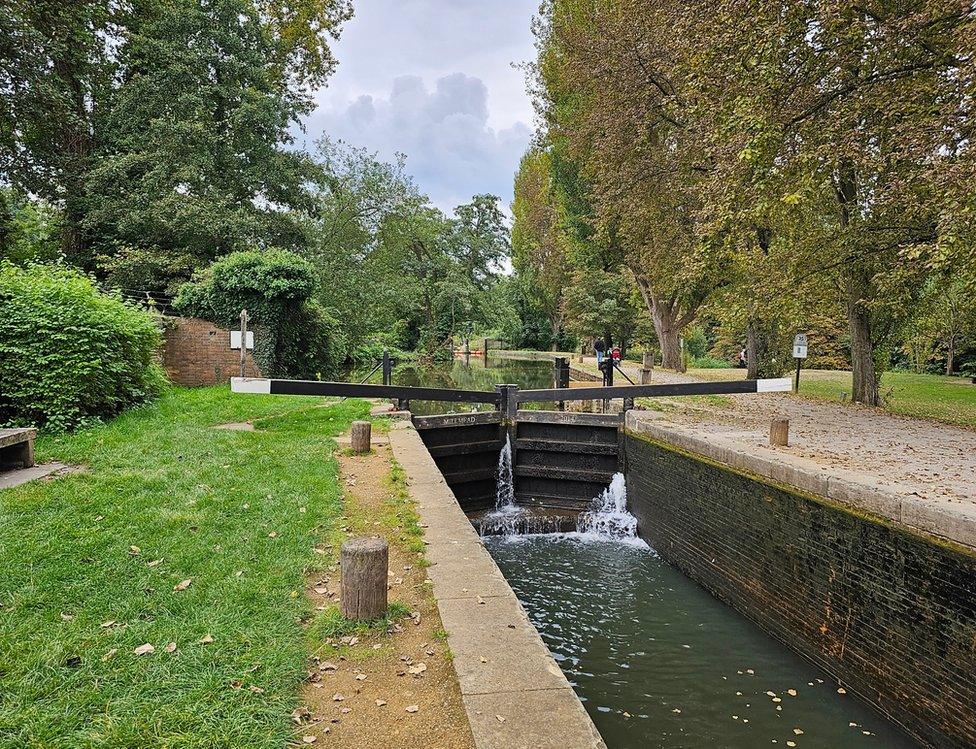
[(612, 86), (55, 68), (539, 242), (846, 117)]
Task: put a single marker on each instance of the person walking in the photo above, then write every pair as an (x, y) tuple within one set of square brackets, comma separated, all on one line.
[(599, 347)]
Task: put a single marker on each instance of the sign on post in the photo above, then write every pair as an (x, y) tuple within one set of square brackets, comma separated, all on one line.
[(235, 339), (800, 346), (799, 353)]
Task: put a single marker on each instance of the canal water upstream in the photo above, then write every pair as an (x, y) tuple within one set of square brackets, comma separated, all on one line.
[(470, 374), (657, 661)]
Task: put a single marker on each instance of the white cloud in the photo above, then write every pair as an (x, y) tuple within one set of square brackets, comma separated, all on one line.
[(451, 149), (399, 89)]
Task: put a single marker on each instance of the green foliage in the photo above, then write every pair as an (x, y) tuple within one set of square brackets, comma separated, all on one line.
[(161, 128), (70, 355), (295, 336), (30, 230)]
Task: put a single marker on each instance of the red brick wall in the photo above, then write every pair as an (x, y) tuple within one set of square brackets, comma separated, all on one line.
[(197, 352)]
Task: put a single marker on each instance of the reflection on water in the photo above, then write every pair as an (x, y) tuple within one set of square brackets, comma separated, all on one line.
[(658, 662), (470, 374)]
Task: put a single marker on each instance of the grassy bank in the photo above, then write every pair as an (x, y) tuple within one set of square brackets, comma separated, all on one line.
[(948, 399), (95, 566)]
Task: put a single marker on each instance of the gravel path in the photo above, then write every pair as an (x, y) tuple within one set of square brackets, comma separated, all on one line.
[(908, 456)]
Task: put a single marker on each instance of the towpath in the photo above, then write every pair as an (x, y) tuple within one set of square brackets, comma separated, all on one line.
[(905, 456)]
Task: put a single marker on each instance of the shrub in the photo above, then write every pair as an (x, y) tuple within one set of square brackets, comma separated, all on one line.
[(294, 335), (70, 355)]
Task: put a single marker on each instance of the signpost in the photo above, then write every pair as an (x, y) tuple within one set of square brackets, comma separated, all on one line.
[(799, 353)]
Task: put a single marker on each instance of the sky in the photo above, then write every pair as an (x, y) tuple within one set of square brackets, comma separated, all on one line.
[(434, 80)]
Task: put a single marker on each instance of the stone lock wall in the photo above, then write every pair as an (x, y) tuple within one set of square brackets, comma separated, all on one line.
[(197, 353), (890, 613)]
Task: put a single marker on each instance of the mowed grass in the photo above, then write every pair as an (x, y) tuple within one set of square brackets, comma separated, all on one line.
[(236, 513), (948, 399)]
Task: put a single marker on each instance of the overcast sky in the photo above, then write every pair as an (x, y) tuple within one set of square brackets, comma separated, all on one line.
[(433, 79)]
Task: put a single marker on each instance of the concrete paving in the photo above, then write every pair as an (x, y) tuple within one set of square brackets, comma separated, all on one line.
[(18, 476), (515, 695)]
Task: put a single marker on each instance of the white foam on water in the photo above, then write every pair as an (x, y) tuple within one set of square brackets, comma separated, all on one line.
[(607, 519), (507, 515)]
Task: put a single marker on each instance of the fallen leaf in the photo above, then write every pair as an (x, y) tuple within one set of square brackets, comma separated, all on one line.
[(310, 739), (134, 551), (109, 655), (791, 692), (500, 718), (337, 697), (841, 690), (273, 534), (360, 677), (183, 585), (206, 640), (154, 563), (798, 731), (380, 703), (412, 708), (418, 669), (256, 689), (300, 715), (170, 647), (144, 649), (109, 623), (67, 617), (328, 666)]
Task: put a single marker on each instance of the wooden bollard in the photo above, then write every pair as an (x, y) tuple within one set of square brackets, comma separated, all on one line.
[(359, 437), (779, 433), (363, 566)]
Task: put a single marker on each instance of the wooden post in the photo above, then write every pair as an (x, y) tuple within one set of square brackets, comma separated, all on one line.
[(359, 437), (363, 566), (647, 369), (779, 433)]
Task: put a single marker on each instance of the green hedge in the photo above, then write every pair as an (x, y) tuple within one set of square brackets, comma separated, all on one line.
[(294, 336), (70, 355)]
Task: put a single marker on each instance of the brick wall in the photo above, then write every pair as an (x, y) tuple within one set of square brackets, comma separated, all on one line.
[(889, 613), (197, 352)]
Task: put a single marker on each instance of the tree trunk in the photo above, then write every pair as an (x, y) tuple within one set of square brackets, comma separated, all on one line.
[(667, 326), (951, 355), (865, 388), (668, 337), (753, 349)]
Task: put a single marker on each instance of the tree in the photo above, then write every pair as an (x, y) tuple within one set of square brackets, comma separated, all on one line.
[(480, 240), (611, 86), (355, 196), (55, 69), (842, 120), (540, 245), (160, 127)]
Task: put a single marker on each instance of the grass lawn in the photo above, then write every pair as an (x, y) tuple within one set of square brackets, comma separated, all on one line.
[(948, 399), (91, 563)]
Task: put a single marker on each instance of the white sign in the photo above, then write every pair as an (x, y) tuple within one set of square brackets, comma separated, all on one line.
[(800, 346), (235, 339)]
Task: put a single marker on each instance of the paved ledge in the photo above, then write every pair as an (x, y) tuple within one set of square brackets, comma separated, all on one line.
[(515, 695), (18, 476), (946, 519)]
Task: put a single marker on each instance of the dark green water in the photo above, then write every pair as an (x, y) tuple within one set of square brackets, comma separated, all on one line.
[(470, 374), (659, 662)]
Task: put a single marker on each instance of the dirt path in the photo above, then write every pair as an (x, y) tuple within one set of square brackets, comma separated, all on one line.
[(909, 456), (393, 686)]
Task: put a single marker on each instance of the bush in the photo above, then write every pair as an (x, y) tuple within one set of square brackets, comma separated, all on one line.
[(70, 355), (294, 335)]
